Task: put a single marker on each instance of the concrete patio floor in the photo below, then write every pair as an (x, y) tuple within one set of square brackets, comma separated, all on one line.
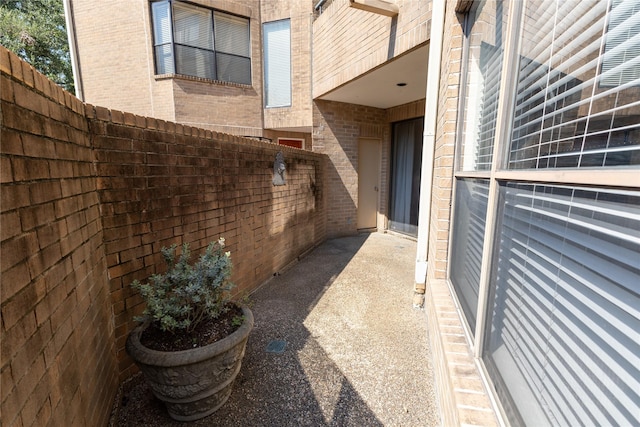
[(356, 352)]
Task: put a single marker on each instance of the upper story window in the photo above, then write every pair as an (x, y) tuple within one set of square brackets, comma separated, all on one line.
[(200, 42), (277, 63)]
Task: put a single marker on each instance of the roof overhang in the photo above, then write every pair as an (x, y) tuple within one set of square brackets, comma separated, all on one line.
[(376, 6), (396, 82)]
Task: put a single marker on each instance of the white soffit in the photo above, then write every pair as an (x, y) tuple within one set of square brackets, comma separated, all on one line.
[(379, 88)]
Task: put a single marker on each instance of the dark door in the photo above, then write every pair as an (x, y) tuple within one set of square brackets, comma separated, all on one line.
[(406, 165)]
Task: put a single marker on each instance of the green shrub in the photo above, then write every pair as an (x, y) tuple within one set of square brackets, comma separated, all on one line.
[(186, 294)]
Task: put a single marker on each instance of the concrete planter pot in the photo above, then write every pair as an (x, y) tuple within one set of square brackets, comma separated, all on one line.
[(192, 383)]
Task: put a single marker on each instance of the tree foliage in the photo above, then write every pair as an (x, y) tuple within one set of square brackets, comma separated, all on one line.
[(35, 31)]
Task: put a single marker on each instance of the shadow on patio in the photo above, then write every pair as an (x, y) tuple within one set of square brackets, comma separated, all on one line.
[(356, 351)]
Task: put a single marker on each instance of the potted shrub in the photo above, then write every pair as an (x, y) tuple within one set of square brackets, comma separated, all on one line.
[(190, 344)]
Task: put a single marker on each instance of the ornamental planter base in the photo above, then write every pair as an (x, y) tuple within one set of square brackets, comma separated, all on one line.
[(192, 383)]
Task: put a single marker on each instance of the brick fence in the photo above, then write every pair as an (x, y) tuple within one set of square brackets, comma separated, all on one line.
[(89, 196)]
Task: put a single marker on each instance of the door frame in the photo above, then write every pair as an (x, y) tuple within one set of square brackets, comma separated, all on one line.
[(378, 171)]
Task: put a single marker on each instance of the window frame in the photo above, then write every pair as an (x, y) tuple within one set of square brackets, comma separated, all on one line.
[(265, 68), (499, 175), (172, 44)]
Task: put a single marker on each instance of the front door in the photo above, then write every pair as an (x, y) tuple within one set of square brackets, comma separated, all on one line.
[(368, 182)]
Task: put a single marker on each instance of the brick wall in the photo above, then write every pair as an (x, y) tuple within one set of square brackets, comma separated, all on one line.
[(58, 358), (337, 128), (348, 42), (162, 183), (89, 195)]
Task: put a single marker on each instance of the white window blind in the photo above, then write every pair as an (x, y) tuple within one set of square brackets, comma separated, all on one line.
[(564, 334), (277, 63), (568, 112), (466, 243), (232, 34), (621, 61), (162, 37), (485, 56), (232, 48), (193, 37)]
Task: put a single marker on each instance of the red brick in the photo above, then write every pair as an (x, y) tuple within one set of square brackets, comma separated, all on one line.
[(44, 259), (31, 350), (29, 99), (14, 338), (6, 90), (27, 74), (14, 280), (11, 142), (30, 169), (44, 414), (19, 249), (5, 63), (6, 171), (16, 66), (46, 191), (26, 384)]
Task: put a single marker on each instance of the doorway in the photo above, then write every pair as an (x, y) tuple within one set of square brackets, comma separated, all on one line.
[(406, 165), (368, 182)]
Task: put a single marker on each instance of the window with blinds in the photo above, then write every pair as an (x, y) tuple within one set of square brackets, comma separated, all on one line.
[(196, 41), (484, 55), (163, 42), (232, 48), (467, 238), (621, 60), (563, 346), (484, 51), (578, 94), (277, 63), (556, 276)]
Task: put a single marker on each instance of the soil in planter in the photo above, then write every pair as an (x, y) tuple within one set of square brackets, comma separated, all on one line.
[(207, 332)]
